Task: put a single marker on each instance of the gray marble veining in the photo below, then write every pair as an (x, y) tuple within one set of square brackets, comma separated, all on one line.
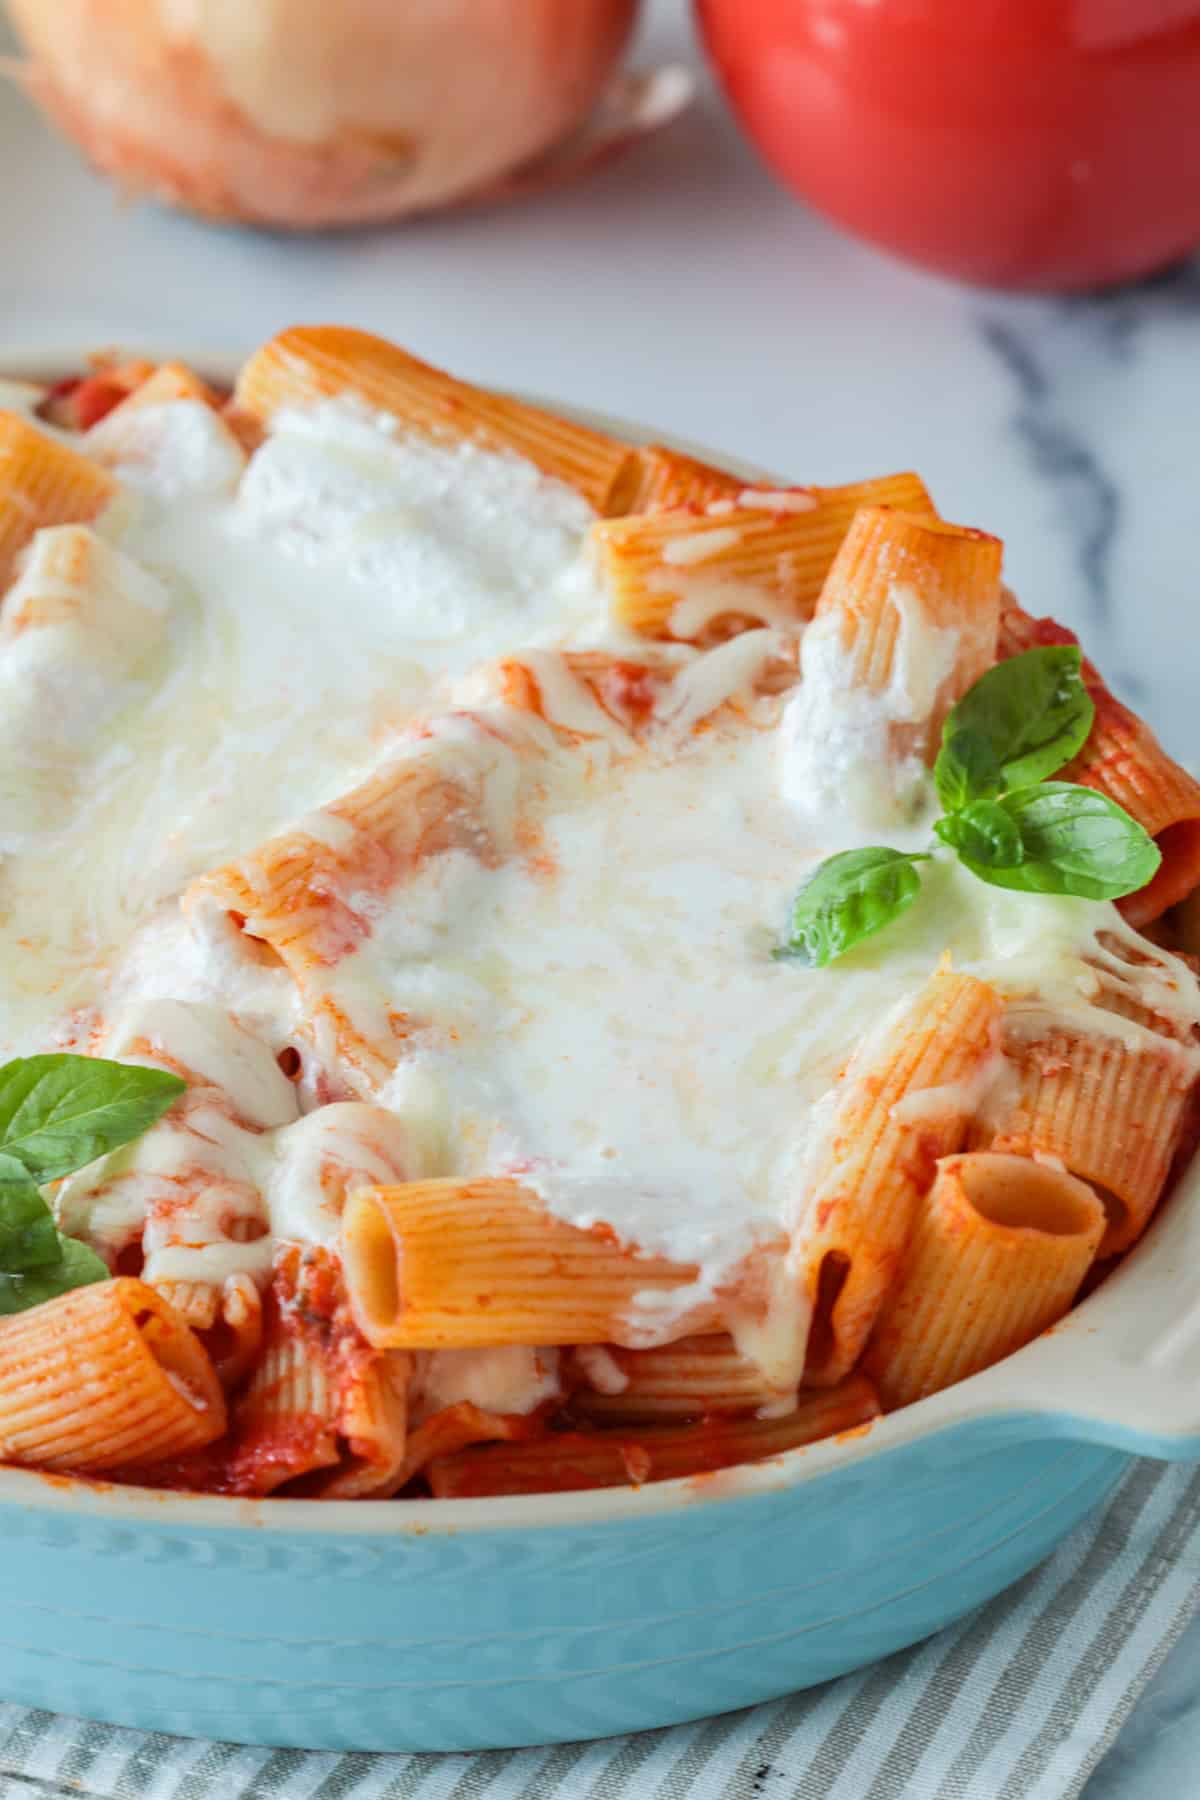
[(1106, 402)]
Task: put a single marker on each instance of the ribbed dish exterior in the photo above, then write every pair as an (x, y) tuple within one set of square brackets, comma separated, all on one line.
[(463, 1640)]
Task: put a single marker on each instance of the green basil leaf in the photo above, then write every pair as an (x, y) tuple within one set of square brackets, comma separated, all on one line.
[(75, 1266), (984, 832), (59, 1112), (1073, 841), (1022, 721), (966, 769), (28, 1237), (850, 896)]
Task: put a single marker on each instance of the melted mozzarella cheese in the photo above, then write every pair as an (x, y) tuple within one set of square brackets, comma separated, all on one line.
[(508, 1379), (233, 1167), (594, 1004), (605, 1020), (305, 606), (838, 739)]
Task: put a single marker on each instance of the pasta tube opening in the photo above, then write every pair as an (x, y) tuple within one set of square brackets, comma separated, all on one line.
[(371, 1261), (999, 1249), (822, 1338), (1022, 1195), (105, 1378), (446, 1264)]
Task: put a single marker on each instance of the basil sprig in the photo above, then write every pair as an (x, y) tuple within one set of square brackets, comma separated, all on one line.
[(58, 1113), (1002, 816), (1021, 722), (850, 896)]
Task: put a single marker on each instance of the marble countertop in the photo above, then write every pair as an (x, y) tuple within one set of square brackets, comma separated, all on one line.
[(682, 286)]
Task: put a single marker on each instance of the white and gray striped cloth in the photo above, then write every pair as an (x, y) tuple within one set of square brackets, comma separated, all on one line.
[(1020, 1701)]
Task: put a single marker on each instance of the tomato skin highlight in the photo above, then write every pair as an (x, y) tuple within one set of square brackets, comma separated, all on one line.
[(1042, 144)]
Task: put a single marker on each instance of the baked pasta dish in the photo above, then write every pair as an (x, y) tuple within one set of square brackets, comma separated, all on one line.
[(529, 963)]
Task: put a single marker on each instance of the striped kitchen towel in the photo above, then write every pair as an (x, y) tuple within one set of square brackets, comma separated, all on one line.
[(1017, 1702)]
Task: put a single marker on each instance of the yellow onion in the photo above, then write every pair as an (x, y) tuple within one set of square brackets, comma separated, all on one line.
[(303, 113)]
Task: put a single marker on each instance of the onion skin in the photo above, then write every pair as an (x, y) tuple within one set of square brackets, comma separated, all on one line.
[(302, 114)]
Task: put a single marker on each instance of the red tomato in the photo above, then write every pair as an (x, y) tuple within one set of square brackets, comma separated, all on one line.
[(1022, 143)]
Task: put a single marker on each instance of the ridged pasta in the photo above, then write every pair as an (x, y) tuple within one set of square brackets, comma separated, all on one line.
[(685, 573), (308, 897), (584, 694), (105, 1377), (874, 1163), (453, 1428), (656, 1453), (1110, 1110), (322, 1406), (453, 1264), (170, 381), (74, 581), (81, 401), (196, 1302), (42, 482), (372, 1422), (285, 1423), (999, 1248), (691, 1378), (241, 1324), (302, 893), (655, 476), (1123, 759), (979, 1153), (892, 562), (231, 1311), (310, 363)]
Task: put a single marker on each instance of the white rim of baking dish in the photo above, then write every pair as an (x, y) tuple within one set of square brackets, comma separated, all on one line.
[(1122, 1369)]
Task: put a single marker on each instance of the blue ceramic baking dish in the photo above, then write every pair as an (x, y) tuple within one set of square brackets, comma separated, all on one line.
[(440, 1625), (455, 1625)]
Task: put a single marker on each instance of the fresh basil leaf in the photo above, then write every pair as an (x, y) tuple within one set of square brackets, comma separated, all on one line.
[(28, 1237), (984, 832), (58, 1113), (1022, 721), (966, 769), (850, 896), (1073, 841), (75, 1266)]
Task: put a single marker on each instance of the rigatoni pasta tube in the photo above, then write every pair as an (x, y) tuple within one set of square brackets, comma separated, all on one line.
[(658, 1453), (313, 362), (372, 1423), (115, 611), (451, 1264), (42, 482), (1124, 760), (321, 1405), (170, 382), (196, 1302), (688, 1379), (999, 1249), (679, 573), (655, 476), (1109, 1109), (105, 1377), (240, 1329), (138, 434), (893, 563), (452, 1428), (285, 1424), (904, 1102), (308, 893)]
